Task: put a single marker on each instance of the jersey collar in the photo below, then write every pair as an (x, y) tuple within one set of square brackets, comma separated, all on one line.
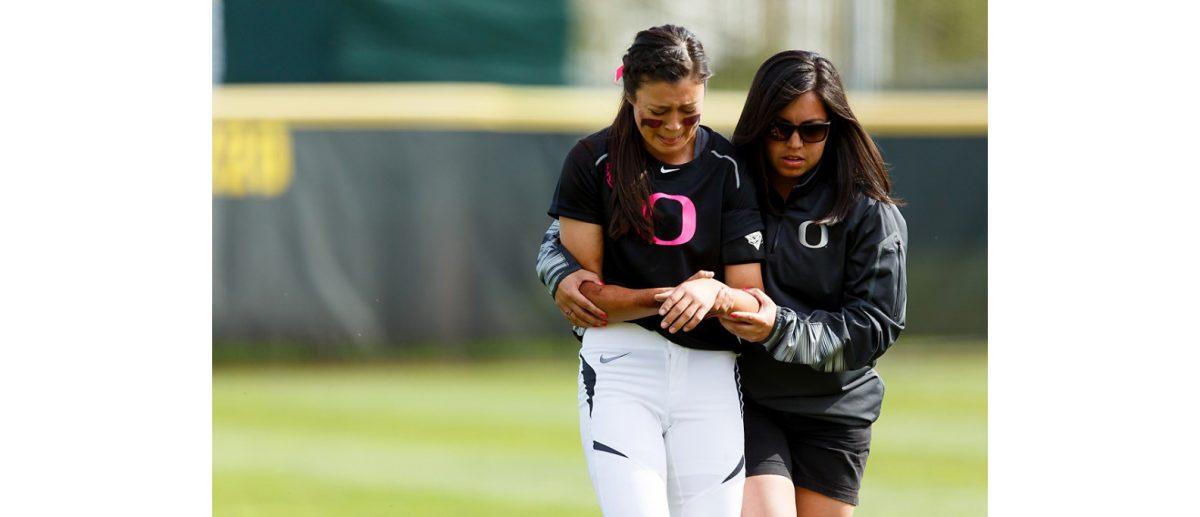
[(659, 168)]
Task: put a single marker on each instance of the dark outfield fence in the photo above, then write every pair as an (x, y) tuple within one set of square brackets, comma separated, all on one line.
[(334, 233)]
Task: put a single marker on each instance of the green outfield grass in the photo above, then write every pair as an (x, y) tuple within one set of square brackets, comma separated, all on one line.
[(501, 438)]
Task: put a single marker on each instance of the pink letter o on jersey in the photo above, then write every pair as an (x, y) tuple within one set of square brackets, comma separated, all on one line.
[(689, 219)]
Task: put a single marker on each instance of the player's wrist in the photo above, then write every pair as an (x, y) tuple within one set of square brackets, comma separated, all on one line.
[(724, 302), (646, 299)]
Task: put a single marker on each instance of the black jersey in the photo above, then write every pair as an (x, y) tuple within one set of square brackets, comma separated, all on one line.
[(705, 217)]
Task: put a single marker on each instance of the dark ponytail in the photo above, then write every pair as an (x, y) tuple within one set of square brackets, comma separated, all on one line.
[(667, 53)]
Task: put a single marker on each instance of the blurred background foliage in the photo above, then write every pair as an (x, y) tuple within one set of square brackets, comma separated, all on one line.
[(878, 44)]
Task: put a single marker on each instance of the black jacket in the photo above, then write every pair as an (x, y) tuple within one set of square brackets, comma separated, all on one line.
[(841, 292)]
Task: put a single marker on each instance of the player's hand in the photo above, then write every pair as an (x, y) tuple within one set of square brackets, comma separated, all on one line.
[(755, 327), (687, 304), (724, 301), (574, 306)]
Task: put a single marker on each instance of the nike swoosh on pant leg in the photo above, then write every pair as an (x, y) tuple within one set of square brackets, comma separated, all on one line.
[(607, 360)]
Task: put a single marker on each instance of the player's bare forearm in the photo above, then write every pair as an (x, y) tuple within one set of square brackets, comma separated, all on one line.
[(585, 241), (620, 303)]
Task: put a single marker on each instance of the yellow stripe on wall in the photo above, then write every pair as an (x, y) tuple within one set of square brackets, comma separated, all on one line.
[(494, 107)]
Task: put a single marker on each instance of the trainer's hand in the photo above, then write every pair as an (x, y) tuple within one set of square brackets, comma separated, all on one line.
[(579, 310), (686, 306), (755, 327)]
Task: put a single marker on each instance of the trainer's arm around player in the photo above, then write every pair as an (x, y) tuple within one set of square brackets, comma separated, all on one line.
[(565, 279), (615, 302), (563, 276)]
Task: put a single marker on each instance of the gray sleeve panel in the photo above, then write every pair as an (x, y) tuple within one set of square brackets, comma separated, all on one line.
[(807, 340), (873, 316), (554, 263)]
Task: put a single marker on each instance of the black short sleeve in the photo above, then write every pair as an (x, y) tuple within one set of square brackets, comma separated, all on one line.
[(741, 223), (577, 195)]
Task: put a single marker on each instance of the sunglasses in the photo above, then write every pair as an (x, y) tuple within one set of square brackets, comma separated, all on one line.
[(810, 132), (654, 123)]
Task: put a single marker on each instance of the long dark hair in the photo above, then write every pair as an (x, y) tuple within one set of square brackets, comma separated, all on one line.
[(849, 150), (667, 53)]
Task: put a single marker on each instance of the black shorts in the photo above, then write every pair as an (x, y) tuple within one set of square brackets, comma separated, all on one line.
[(825, 457)]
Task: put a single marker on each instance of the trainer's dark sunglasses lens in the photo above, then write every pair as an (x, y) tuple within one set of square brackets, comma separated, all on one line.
[(813, 133), (810, 133)]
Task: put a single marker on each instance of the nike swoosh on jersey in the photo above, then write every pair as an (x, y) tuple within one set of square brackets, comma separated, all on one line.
[(607, 360), (665, 170)]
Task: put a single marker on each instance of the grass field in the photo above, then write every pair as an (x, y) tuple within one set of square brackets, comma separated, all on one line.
[(501, 438)]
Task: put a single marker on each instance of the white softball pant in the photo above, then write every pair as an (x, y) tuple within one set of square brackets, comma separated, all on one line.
[(661, 425)]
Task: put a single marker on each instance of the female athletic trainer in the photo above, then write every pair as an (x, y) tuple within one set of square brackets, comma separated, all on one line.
[(644, 204), (836, 266)]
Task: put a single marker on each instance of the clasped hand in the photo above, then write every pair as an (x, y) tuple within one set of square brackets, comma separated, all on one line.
[(688, 303), (699, 297), (683, 306)]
